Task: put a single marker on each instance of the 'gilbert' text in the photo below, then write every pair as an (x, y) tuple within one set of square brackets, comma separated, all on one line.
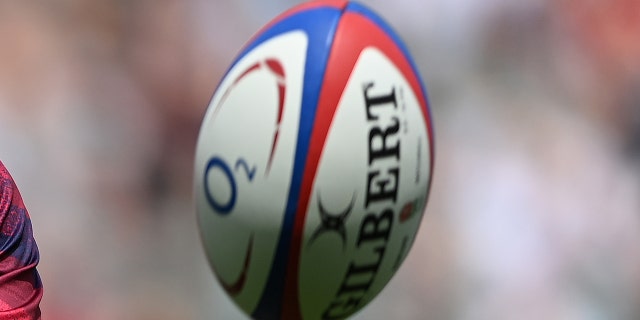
[(381, 195)]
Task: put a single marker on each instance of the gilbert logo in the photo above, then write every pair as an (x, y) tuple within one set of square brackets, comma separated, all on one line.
[(332, 222)]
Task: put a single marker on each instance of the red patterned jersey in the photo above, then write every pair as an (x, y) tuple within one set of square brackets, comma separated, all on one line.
[(20, 284)]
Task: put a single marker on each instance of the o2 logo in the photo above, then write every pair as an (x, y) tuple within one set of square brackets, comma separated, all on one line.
[(216, 163)]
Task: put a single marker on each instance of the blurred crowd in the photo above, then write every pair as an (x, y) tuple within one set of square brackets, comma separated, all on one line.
[(534, 212)]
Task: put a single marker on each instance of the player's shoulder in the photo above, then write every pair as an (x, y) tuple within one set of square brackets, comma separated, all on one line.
[(4, 174), (6, 185), (11, 205)]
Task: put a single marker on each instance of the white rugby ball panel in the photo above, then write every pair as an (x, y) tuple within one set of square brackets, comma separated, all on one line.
[(239, 128), (338, 207)]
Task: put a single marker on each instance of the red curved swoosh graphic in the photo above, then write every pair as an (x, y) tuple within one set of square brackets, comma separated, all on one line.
[(277, 69), (236, 287)]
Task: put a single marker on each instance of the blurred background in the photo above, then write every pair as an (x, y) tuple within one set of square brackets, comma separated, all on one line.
[(534, 212)]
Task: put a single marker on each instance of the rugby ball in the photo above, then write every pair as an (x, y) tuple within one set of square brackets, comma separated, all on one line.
[(313, 164)]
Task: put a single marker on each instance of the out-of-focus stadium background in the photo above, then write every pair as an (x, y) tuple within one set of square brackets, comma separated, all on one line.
[(535, 206)]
